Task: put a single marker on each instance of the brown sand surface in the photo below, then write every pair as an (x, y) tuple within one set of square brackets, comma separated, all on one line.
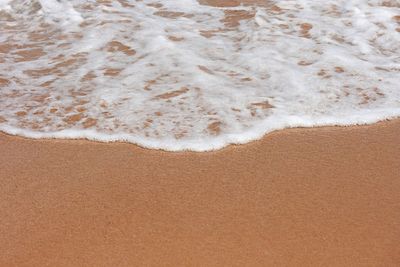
[(299, 197)]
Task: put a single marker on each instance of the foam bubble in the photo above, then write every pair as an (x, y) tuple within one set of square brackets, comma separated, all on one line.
[(178, 75)]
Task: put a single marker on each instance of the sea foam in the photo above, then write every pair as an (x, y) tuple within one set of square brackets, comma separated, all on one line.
[(179, 75)]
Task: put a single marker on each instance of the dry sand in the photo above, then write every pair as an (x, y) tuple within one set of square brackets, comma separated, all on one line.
[(300, 197)]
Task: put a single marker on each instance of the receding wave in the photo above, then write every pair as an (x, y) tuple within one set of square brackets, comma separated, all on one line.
[(184, 75)]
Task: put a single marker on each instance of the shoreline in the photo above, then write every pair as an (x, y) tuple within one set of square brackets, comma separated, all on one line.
[(31, 135), (303, 196), (300, 196)]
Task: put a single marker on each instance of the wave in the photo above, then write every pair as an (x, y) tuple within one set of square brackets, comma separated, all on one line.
[(182, 75)]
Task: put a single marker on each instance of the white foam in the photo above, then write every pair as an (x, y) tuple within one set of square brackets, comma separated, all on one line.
[(61, 11), (199, 79), (4, 4)]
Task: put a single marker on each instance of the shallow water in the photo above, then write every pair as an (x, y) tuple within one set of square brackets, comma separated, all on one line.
[(179, 75)]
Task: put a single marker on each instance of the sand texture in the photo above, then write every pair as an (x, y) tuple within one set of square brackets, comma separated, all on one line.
[(325, 196), (299, 197)]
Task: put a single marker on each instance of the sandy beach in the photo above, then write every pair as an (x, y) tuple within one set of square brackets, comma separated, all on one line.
[(327, 196), (299, 197)]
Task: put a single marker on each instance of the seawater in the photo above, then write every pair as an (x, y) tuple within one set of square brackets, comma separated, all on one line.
[(182, 75)]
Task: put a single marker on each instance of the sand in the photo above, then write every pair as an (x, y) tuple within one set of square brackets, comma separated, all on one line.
[(300, 197)]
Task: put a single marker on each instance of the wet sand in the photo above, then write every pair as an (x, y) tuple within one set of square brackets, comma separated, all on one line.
[(298, 197)]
